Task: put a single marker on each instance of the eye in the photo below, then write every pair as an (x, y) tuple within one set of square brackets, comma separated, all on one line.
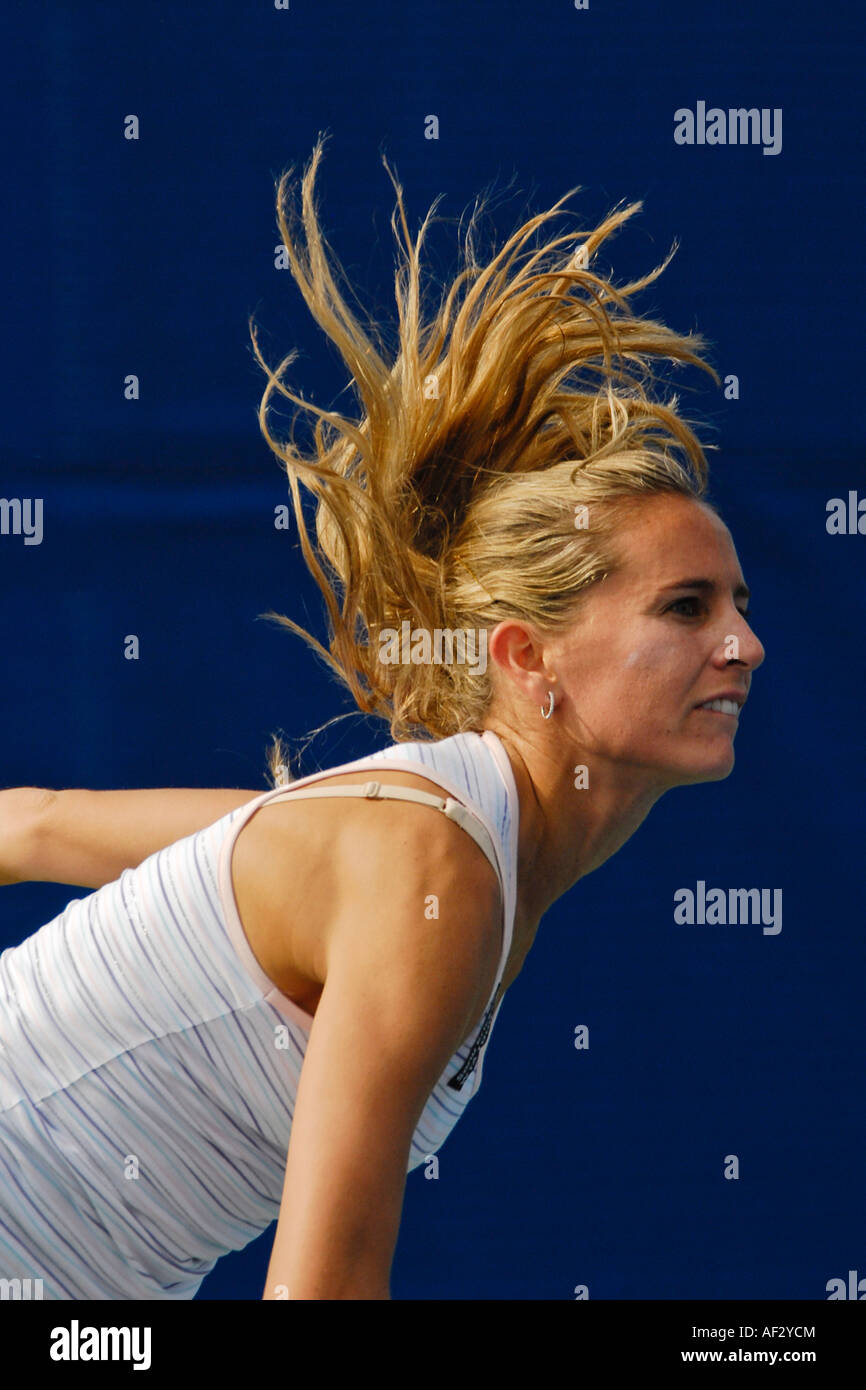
[(681, 601), (743, 612)]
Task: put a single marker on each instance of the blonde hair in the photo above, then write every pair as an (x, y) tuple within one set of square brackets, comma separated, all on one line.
[(451, 500)]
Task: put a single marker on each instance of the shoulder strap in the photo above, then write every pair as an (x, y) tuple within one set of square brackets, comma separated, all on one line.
[(375, 791)]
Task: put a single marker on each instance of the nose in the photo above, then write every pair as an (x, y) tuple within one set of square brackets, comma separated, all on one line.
[(750, 651)]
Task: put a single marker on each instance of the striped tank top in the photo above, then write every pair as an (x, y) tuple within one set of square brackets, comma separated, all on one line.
[(149, 1067)]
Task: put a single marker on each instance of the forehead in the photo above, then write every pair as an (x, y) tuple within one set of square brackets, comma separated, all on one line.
[(662, 540)]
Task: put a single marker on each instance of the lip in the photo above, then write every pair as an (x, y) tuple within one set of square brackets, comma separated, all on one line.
[(737, 696)]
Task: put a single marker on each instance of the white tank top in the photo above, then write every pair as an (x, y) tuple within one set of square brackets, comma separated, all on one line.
[(148, 1066)]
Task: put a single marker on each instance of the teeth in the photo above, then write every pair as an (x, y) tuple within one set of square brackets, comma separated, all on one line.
[(723, 706)]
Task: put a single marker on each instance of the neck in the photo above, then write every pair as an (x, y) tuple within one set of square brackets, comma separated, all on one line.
[(565, 832)]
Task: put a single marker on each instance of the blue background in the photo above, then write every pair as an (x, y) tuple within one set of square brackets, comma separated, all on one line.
[(601, 1167)]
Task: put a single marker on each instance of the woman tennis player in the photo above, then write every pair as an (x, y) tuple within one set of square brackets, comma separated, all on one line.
[(276, 1004)]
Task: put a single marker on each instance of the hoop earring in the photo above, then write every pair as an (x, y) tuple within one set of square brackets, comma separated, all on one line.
[(545, 714)]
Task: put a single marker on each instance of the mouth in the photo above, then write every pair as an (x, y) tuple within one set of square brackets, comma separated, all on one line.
[(728, 709)]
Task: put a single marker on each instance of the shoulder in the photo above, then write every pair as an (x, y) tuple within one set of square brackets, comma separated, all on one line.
[(411, 822), (412, 843), (310, 871), (402, 841)]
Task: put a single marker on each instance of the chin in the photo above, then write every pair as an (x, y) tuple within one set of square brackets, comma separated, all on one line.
[(715, 770)]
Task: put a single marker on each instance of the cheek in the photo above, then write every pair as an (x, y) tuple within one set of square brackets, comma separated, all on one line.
[(651, 659), (647, 679)]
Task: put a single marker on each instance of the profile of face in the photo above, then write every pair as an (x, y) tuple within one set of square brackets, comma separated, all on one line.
[(656, 640)]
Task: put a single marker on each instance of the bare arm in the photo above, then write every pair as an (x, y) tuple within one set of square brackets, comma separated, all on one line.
[(402, 992), (87, 838)]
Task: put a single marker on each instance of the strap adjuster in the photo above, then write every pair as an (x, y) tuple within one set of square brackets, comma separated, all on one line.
[(372, 789)]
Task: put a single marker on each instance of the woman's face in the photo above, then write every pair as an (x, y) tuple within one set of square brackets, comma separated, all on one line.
[(652, 645)]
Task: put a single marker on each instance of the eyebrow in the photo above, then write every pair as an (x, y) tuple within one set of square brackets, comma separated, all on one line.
[(707, 586)]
